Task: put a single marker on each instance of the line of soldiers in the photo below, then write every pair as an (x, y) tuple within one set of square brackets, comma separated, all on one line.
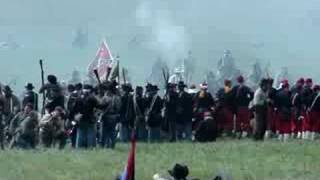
[(286, 112), (89, 116)]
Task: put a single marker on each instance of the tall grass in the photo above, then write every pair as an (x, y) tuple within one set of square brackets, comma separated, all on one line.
[(244, 160)]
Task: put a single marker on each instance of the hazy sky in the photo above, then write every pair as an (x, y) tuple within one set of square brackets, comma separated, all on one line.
[(283, 32)]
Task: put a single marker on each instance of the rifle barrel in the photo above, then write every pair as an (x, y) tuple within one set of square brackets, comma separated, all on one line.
[(97, 75), (42, 81)]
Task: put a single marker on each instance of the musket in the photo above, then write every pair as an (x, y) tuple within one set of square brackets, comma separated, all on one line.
[(42, 82), (97, 76), (166, 75), (118, 66), (108, 73), (166, 79)]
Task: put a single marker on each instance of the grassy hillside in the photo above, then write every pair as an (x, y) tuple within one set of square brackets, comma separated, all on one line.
[(245, 160)]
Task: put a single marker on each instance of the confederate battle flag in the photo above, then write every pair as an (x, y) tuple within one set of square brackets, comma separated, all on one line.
[(103, 61)]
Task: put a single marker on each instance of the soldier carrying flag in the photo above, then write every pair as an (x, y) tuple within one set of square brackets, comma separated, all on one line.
[(103, 62)]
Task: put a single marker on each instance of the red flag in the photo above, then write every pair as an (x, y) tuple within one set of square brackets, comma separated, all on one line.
[(129, 172), (102, 62)]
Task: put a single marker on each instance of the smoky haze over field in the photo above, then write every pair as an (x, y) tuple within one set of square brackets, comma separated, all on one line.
[(282, 32)]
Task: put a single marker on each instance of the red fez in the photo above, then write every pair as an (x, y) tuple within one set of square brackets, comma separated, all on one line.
[(309, 81), (301, 81), (285, 81), (316, 88), (285, 85), (227, 82), (240, 79)]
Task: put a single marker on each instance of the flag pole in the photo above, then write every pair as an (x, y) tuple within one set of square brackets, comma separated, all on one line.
[(42, 83)]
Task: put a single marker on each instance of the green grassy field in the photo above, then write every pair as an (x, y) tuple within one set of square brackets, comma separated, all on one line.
[(245, 160)]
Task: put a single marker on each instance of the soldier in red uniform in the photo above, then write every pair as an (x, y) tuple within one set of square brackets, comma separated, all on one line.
[(283, 113), (202, 102), (307, 93), (314, 112), (226, 108), (300, 83), (271, 120), (242, 95), (297, 109)]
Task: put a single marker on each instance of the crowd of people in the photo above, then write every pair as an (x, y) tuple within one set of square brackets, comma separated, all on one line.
[(87, 116)]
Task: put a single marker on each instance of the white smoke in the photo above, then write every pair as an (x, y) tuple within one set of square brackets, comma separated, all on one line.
[(143, 14), (168, 39)]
